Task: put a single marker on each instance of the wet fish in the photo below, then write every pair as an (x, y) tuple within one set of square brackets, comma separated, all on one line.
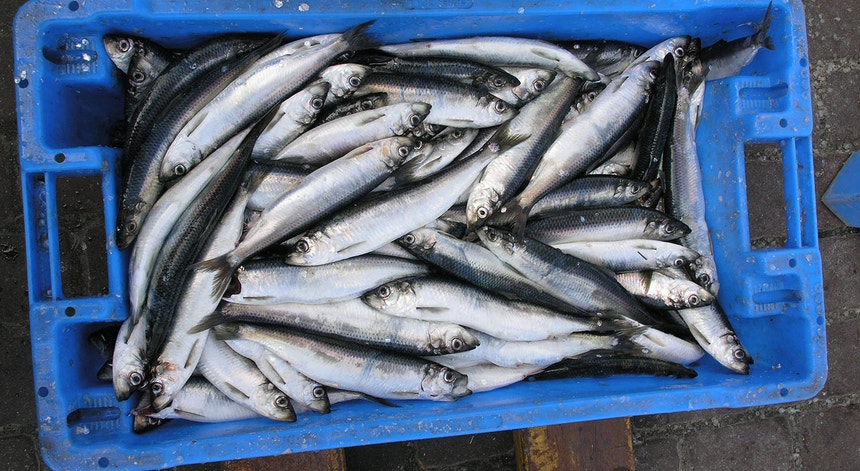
[(458, 70), (441, 300), (663, 292), (603, 224), (271, 281), (590, 192), (631, 254), (354, 367), (726, 58), (499, 50), (295, 115)]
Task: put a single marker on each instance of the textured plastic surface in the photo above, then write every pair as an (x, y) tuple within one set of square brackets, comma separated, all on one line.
[(774, 297), (843, 196)]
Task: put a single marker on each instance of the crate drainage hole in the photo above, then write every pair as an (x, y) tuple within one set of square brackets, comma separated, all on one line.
[(765, 190), (783, 123), (819, 320), (104, 462), (60, 158), (792, 263), (783, 392), (83, 253), (23, 83), (92, 414), (74, 7), (70, 311), (43, 392)]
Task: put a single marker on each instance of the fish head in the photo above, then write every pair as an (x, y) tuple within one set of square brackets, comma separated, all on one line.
[(316, 397), (452, 338), (182, 156), (393, 298), (344, 78), (419, 240), (276, 405), (312, 101), (129, 373), (410, 119), (633, 189), (441, 383), (493, 111), (494, 81), (669, 229), (732, 354), (163, 384), (498, 240), (130, 223), (398, 150), (705, 273), (120, 49), (584, 100), (312, 249), (532, 83), (140, 73), (483, 202)]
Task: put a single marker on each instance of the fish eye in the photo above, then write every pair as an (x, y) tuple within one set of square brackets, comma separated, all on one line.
[(384, 291), (419, 144), (367, 104), (457, 134), (138, 76), (180, 170), (500, 106), (403, 151), (131, 227), (483, 212), (409, 239), (302, 246), (281, 402), (498, 81), (156, 388), (539, 84), (457, 344), (317, 103), (679, 262), (739, 354), (491, 234), (448, 376), (135, 378), (705, 279), (414, 120), (124, 45), (354, 81), (319, 392), (679, 51), (670, 228), (693, 300)]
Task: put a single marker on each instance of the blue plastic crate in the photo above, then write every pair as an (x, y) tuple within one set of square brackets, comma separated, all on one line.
[(774, 297)]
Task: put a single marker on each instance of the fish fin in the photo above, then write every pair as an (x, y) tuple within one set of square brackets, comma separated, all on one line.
[(624, 339), (433, 310), (358, 38), (186, 414), (105, 373), (541, 53), (225, 332), (378, 400), (512, 214), (350, 247), (231, 389), (371, 118), (373, 57), (223, 271), (763, 37), (208, 322)]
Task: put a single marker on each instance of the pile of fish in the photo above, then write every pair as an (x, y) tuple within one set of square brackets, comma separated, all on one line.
[(329, 219)]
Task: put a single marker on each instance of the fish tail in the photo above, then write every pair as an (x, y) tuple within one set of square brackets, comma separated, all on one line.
[(624, 340), (357, 37), (208, 322), (225, 331), (763, 37), (378, 400), (223, 270)]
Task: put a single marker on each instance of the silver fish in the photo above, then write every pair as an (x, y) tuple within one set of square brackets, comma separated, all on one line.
[(271, 281), (333, 140), (120, 49), (499, 50), (344, 80), (532, 84), (630, 255), (663, 292), (129, 357), (269, 81), (374, 222), (441, 300), (302, 390), (241, 380), (727, 58), (295, 115), (355, 367)]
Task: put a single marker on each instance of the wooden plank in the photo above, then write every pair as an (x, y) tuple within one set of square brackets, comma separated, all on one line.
[(326, 460), (583, 446)]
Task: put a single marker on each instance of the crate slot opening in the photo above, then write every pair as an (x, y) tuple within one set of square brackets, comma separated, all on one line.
[(86, 415), (80, 219), (81, 114), (765, 191)]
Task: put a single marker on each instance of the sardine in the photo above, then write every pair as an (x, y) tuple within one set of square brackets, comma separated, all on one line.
[(630, 255), (663, 292), (603, 224), (499, 50), (590, 192), (727, 58), (354, 367), (441, 300), (295, 115), (271, 281), (532, 84)]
